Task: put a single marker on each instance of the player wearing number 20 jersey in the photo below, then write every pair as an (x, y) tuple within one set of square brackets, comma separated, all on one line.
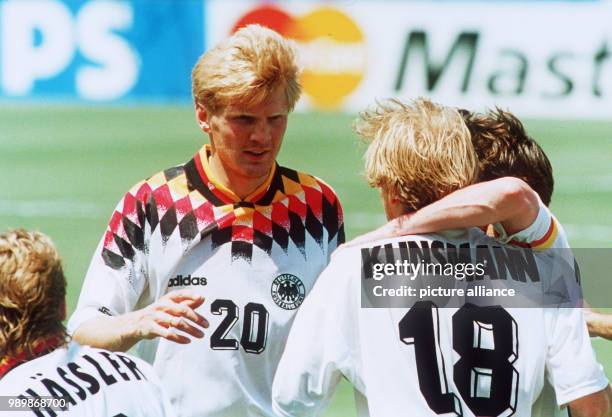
[(429, 361), (253, 259)]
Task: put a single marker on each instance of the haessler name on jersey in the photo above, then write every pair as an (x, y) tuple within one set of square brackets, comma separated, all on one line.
[(82, 378), (185, 280)]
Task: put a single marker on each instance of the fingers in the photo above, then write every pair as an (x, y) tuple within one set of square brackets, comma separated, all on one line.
[(185, 295), (193, 303), (165, 325), (167, 333), (173, 317), (184, 309), (179, 323), (184, 302)]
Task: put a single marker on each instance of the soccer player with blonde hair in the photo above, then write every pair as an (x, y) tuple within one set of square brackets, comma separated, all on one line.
[(472, 360), (37, 358), (513, 194), (230, 226), (424, 135)]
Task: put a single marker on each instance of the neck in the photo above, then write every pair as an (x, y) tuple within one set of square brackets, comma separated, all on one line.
[(39, 348), (241, 186)]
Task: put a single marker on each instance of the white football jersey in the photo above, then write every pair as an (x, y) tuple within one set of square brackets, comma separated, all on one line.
[(544, 233), (95, 382), (254, 260), (471, 361)]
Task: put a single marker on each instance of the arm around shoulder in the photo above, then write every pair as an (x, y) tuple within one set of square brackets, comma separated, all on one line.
[(508, 200)]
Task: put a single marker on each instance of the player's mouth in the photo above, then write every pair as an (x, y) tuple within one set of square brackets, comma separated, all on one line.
[(256, 154)]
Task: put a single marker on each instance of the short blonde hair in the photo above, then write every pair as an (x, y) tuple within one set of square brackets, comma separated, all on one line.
[(246, 69), (419, 152), (32, 291)]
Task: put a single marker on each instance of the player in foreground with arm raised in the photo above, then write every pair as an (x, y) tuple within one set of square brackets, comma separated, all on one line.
[(512, 198), (231, 226), (515, 184), (37, 359), (423, 360), (513, 172)]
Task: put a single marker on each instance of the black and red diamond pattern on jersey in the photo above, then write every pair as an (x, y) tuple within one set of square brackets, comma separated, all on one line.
[(279, 216)]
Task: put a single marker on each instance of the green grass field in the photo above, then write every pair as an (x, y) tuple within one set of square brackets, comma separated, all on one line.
[(64, 169)]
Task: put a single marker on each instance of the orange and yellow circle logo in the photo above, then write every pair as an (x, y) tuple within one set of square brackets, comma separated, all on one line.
[(332, 49)]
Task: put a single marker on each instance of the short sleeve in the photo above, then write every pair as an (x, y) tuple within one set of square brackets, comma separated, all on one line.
[(544, 233), (571, 366), (117, 273)]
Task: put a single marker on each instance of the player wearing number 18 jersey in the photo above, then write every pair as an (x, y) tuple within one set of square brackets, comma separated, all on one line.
[(428, 361), (231, 226), (506, 153)]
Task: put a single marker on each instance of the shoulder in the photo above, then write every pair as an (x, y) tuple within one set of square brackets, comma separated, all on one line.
[(143, 200), (15, 379), (161, 185), (313, 187)]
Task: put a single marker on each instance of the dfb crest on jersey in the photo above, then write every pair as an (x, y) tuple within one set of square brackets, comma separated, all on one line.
[(288, 291)]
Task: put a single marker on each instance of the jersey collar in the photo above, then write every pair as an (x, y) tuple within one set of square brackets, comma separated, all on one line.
[(220, 191), (41, 348)]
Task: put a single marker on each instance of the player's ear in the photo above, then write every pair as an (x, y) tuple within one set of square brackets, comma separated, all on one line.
[(202, 117), (393, 205)]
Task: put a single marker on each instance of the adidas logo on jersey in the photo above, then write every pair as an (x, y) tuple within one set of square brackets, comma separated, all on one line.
[(182, 281)]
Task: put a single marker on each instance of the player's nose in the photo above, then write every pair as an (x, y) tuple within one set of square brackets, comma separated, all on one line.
[(262, 133)]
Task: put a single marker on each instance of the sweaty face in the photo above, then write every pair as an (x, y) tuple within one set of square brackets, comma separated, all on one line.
[(246, 140)]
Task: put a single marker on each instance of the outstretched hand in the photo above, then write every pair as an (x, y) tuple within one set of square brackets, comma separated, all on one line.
[(174, 311)]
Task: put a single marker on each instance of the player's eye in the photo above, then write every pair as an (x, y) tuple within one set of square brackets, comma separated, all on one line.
[(244, 119), (276, 118)]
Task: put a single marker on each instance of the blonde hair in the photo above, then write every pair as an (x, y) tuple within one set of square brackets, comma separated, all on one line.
[(419, 152), (32, 291), (246, 69)]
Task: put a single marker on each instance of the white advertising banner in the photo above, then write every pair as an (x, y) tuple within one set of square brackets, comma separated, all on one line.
[(538, 59)]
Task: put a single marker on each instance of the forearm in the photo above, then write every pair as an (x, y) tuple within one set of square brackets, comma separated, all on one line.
[(506, 200), (448, 215), (164, 318), (599, 324), (111, 333)]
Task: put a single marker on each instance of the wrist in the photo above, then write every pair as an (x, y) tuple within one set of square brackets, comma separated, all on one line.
[(130, 330)]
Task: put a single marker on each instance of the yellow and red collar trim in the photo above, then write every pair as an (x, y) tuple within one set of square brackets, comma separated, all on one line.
[(221, 191)]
